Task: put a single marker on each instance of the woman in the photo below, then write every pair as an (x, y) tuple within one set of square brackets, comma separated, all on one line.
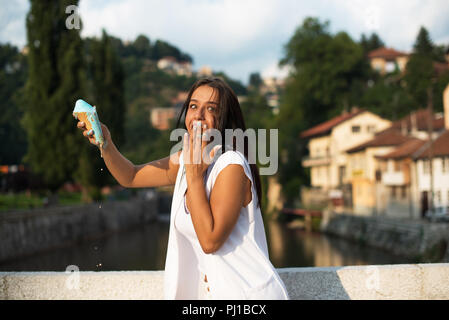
[(217, 247)]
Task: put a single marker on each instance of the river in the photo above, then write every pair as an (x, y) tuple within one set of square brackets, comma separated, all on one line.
[(144, 248)]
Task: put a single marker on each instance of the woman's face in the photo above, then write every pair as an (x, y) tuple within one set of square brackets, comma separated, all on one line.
[(203, 106)]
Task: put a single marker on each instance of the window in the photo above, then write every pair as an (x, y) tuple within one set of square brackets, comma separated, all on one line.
[(390, 66), (355, 129), (371, 128)]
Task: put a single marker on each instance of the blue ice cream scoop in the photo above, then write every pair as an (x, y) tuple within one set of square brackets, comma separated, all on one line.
[(86, 113)]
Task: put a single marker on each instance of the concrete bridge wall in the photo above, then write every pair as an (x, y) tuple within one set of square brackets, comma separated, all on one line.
[(383, 282)]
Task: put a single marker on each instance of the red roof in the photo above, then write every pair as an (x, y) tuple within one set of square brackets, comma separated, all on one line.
[(440, 147), (386, 53), (382, 139), (405, 150), (418, 118), (326, 127)]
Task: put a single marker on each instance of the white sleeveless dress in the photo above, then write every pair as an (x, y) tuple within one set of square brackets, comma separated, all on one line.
[(240, 269)]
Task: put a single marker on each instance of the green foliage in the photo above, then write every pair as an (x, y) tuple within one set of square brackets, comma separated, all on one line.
[(388, 98), (30, 200), (236, 85), (163, 49), (421, 75), (371, 43), (142, 46), (420, 68), (255, 80), (13, 70), (423, 44), (144, 143), (106, 86), (258, 114), (326, 68), (54, 83)]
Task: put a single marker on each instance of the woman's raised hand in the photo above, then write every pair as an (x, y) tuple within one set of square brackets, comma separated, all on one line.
[(195, 160)]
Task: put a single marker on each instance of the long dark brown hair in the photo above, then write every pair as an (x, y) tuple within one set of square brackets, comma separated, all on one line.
[(229, 117)]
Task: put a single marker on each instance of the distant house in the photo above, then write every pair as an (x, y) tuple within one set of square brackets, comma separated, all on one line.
[(204, 71), (172, 65), (271, 85), (328, 142), (409, 170), (161, 117), (380, 166), (386, 60), (270, 88), (167, 63), (363, 169), (396, 196)]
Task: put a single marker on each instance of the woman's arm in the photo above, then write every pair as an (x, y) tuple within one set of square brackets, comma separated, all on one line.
[(214, 220), (153, 174)]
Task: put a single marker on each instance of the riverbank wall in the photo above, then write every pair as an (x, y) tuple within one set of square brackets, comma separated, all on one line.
[(384, 282), (28, 232), (420, 240)]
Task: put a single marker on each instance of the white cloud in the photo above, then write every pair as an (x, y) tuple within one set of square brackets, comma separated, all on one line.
[(12, 21), (273, 70)]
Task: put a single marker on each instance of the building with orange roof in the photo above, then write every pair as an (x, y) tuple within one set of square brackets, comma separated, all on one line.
[(385, 164), (415, 175), (386, 60), (328, 142)]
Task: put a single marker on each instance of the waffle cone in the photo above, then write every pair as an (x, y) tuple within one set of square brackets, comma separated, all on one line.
[(82, 116)]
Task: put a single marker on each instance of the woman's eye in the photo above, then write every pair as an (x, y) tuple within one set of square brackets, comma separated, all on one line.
[(211, 109), (193, 106)]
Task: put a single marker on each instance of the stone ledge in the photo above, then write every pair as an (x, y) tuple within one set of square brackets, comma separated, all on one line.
[(379, 282)]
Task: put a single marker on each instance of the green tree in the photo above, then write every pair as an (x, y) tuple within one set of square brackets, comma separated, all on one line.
[(325, 69), (371, 43), (419, 69), (163, 49), (13, 71), (54, 84), (258, 115), (142, 47), (388, 98), (107, 87), (255, 80), (423, 44)]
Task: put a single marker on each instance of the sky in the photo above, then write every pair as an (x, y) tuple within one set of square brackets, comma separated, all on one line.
[(243, 36)]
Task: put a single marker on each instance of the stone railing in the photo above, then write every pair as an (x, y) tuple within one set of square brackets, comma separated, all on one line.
[(383, 282)]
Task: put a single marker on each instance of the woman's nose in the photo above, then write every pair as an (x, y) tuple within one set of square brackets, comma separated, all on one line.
[(199, 114)]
